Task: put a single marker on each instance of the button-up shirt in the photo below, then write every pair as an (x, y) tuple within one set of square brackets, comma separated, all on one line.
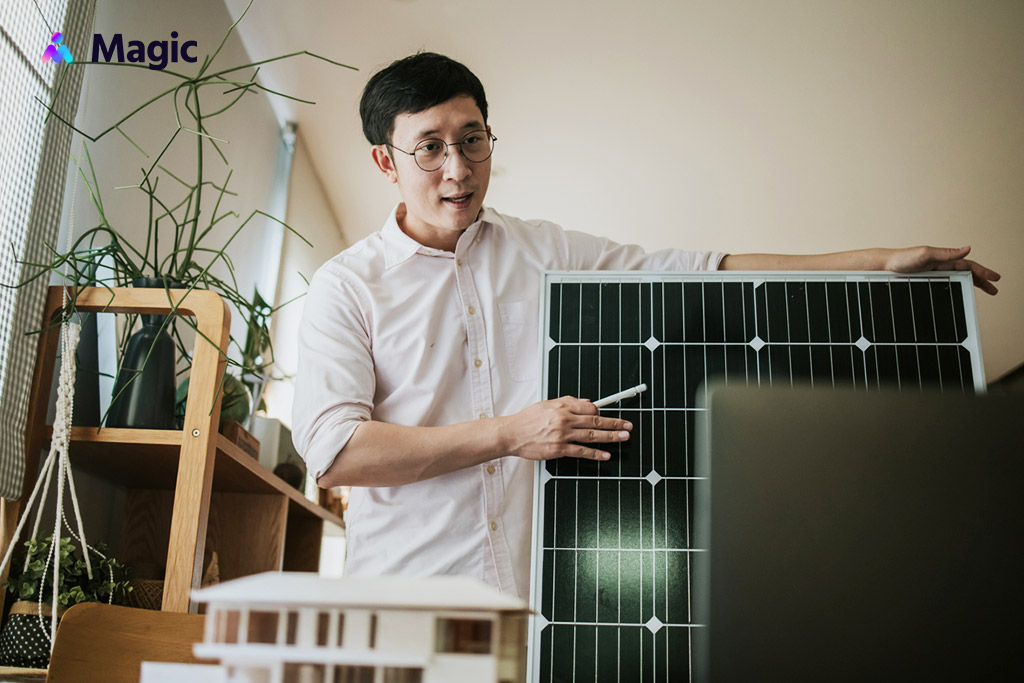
[(401, 333)]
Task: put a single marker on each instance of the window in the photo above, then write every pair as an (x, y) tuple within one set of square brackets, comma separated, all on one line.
[(263, 627), (373, 631), (512, 647), (341, 628), (402, 675), (304, 673), (33, 168), (291, 637), (353, 674), (464, 636), (227, 626), (323, 626), (249, 675), (513, 637)]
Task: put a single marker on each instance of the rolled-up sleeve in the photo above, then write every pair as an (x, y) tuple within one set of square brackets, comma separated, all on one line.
[(335, 382), (587, 252)]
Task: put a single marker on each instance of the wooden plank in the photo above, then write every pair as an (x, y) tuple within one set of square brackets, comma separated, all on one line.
[(260, 547), (13, 674), (146, 530), (9, 512), (302, 544), (107, 451), (198, 451), (100, 643)]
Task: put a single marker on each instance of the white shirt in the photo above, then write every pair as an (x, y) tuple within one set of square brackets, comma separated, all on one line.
[(397, 332)]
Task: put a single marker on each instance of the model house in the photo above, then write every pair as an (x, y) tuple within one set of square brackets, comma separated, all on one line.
[(300, 628)]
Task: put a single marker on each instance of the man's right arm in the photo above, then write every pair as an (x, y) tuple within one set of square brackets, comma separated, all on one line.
[(335, 433), (382, 454)]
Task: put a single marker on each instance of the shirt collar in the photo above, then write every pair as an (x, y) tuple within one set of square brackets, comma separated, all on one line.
[(399, 247)]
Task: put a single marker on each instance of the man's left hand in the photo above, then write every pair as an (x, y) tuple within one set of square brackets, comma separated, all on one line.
[(918, 259)]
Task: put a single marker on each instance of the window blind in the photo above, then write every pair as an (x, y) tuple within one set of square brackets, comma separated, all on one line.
[(33, 168)]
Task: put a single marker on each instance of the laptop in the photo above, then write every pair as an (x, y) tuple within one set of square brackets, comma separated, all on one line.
[(857, 536)]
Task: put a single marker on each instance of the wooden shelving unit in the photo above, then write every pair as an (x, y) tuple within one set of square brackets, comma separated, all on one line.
[(187, 490)]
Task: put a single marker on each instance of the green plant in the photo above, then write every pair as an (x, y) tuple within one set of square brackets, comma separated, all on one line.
[(185, 221), (109, 582)]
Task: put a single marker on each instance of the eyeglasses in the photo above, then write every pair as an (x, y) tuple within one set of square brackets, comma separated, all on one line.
[(431, 154)]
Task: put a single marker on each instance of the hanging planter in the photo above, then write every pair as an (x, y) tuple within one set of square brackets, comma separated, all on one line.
[(25, 639)]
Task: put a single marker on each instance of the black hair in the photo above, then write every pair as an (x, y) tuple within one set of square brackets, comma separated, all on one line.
[(412, 85)]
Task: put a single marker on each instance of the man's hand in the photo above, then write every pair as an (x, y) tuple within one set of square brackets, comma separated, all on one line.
[(917, 259), (558, 428)]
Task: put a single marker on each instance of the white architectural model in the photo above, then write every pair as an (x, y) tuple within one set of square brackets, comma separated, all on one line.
[(302, 628)]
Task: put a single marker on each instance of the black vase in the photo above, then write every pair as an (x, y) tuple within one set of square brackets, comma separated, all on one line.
[(147, 401)]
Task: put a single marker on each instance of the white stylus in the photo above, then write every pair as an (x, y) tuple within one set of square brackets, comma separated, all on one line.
[(622, 395)]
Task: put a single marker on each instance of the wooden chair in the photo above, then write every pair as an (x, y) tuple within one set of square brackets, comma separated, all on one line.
[(100, 643)]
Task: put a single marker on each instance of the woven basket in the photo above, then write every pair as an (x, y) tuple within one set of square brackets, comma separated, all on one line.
[(146, 593)]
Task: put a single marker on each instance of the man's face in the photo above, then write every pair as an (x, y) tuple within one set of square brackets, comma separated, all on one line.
[(439, 204)]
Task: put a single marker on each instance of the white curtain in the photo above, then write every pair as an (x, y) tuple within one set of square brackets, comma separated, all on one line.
[(33, 168)]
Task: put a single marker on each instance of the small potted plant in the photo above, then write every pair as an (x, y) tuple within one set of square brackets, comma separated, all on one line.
[(25, 640)]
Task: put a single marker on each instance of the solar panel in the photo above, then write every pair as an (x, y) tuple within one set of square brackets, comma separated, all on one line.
[(610, 581)]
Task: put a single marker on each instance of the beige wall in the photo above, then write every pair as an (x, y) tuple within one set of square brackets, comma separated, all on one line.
[(785, 125)]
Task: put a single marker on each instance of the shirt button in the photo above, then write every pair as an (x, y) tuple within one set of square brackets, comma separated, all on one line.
[(472, 310), (490, 469), (458, 262), (478, 362), (483, 416), (494, 526)]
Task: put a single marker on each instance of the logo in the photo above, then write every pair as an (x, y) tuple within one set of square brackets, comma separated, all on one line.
[(158, 53), (57, 52)]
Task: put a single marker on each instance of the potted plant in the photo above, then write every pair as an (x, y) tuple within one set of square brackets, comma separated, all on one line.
[(25, 640), (184, 243)]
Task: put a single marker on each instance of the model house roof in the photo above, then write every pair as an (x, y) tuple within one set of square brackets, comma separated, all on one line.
[(389, 592)]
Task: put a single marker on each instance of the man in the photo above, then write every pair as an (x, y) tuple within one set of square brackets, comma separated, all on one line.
[(417, 373)]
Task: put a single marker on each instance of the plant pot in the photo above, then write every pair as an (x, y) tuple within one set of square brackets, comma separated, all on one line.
[(144, 390), (23, 642)]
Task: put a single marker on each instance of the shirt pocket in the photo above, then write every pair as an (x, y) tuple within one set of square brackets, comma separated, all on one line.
[(519, 329)]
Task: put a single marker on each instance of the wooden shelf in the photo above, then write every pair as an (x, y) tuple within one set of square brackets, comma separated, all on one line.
[(109, 453), (184, 494)]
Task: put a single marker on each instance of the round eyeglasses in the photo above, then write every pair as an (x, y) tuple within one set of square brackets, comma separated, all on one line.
[(431, 154)]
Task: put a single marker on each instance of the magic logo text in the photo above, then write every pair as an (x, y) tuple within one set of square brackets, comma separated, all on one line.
[(158, 53)]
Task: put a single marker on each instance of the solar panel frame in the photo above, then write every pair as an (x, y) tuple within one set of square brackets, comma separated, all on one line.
[(788, 343)]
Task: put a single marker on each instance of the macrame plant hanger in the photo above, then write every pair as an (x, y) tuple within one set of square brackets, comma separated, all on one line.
[(57, 462)]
